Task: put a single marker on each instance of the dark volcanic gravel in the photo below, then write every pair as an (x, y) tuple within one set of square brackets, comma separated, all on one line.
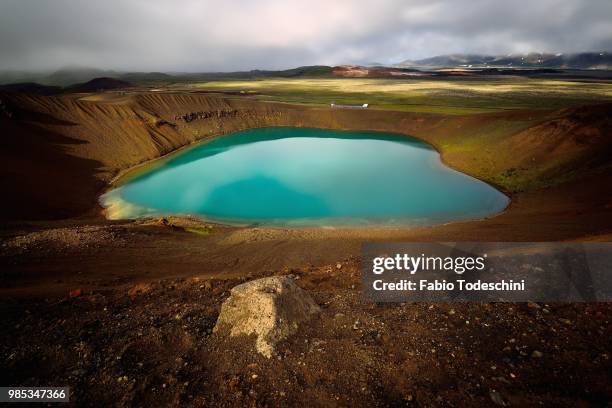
[(152, 344)]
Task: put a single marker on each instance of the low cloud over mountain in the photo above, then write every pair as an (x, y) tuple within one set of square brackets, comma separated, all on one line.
[(163, 35)]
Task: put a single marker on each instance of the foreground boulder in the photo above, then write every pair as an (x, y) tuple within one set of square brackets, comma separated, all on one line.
[(271, 308)]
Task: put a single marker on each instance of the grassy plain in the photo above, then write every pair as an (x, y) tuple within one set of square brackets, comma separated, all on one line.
[(448, 96)]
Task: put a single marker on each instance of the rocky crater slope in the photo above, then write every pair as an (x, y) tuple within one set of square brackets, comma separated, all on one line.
[(60, 152)]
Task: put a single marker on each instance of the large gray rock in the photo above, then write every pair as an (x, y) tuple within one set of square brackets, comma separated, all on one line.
[(270, 308)]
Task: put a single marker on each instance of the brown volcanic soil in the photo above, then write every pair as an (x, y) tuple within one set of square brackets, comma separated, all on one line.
[(151, 344), (150, 290)]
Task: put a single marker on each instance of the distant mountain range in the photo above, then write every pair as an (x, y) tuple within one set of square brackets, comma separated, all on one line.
[(99, 84), (583, 60), (77, 75), (72, 79)]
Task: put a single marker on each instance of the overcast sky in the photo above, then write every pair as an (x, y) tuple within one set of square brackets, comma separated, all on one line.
[(222, 35)]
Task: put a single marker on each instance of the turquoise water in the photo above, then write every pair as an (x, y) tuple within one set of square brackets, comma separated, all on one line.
[(307, 177)]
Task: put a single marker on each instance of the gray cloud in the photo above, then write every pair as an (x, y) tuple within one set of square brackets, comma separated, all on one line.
[(195, 35)]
